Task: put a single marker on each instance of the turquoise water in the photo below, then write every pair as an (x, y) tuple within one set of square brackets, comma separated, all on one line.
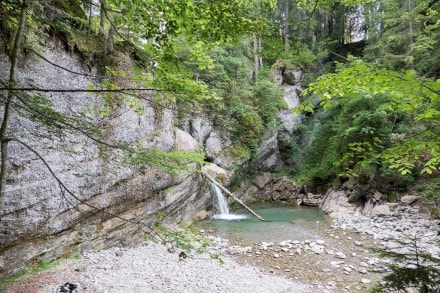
[(282, 223)]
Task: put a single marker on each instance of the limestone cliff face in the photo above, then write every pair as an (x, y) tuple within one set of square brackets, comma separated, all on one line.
[(95, 200), (39, 218)]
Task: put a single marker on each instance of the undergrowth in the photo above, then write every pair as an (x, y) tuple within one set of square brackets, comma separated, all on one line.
[(39, 265)]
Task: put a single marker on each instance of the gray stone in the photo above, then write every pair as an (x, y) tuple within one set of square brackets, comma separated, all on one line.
[(216, 150), (185, 142), (409, 199), (317, 249), (277, 74), (200, 128), (311, 202), (292, 76), (289, 119), (267, 154), (203, 214), (340, 255), (220, 174), (271, 163), (262, 180), (335, 203), (350, 183), (377, 196), (381, 210)]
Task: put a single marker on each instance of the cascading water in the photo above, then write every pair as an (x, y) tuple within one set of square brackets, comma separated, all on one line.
[(221, 200), (221, 204)]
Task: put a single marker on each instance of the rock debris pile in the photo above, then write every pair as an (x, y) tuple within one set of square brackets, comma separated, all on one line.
[(396, 229)]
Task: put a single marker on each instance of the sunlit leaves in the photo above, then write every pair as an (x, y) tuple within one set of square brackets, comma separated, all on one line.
[(405, 93), (313, 4)]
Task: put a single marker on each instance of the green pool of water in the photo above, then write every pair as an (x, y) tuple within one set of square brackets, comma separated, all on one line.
[(282, 223)]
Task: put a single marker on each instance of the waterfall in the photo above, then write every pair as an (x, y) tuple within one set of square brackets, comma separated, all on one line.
[(220, 200), (221, 203)]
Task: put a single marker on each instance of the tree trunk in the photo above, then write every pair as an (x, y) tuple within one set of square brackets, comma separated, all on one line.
[(233, 196), (411, 30), (286, 27), (89, 30), (260, 49), (102, 34), (7, 111), (256, 58)]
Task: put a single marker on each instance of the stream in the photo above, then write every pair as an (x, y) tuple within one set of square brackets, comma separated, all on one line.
[(282, 222), (296, 242)]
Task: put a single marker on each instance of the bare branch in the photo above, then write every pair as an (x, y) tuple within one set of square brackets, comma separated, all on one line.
[(64, 188), (54, 90), (67, 69)]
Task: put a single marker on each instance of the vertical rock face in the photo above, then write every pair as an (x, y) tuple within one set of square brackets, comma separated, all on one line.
[(66, 192), (269, 155), (292, 89), (95, 201)]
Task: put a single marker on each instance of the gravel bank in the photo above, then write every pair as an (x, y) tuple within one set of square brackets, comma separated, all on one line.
[(151, 268)]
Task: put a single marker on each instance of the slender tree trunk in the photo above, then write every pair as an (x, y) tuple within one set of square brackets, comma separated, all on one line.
[(107, 38), (411, 30), (256, 57), (110, 39), (286, 26), (6, 110), (102, 34), (90, 16), (102, 20), (260, 58)]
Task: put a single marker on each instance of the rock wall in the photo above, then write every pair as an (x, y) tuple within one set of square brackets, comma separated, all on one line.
[(96, 200), (41, 219), (273, 152)]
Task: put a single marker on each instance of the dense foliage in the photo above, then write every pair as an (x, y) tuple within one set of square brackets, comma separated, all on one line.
[(245, 107), (398, 133), (381, 118)]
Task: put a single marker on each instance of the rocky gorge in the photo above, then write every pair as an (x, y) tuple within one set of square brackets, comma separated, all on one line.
[(66, 192), (114, 203)]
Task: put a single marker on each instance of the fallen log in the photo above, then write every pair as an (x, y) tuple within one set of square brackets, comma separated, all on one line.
[(210, 178)]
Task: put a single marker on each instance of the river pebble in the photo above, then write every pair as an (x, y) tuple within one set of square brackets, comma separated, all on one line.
[(396, 229), (151, 268)]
